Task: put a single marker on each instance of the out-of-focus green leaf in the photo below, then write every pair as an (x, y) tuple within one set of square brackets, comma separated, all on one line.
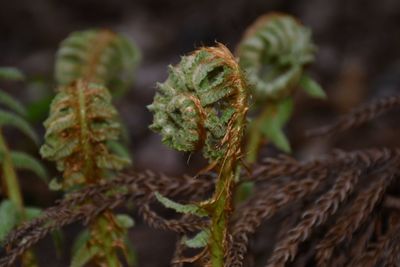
[(200, 240), (278, 115), (8, 218), (58, 241), (80, 241), (55, 185), (119, 149), (32, 212), (311, 87), (130, 254), (11, 103), (125, 221), (83, 255), (22, 160), (9, 73), (38, 110), (7, 118)]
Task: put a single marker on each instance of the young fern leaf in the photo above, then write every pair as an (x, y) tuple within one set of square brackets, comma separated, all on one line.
[(186, 209), (11, 119), (100, 56), (12, 74), (203, 105), (25, 161), (198, 241), (14, 105), (82, 120), (274, 53)]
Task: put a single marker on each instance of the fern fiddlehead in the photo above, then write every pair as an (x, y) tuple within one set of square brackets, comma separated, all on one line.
[(203, 104), (274, 53), (100, 56)]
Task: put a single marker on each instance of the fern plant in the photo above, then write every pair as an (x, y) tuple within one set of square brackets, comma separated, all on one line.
[(82, 122), (83, 129), (203, 104), (274, 52), (12, 209)]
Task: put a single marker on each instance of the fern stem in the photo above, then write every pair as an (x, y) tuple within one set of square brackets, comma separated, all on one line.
[(223, 196), (255, 135), (10, 177), (220, 215)]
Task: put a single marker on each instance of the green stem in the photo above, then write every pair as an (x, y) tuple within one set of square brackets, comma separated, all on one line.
[(254, 140), (223, 196), (10, 177), (220, 215), (255, 135)]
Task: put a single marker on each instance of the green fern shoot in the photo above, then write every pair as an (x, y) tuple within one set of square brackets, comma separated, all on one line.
[(274, 53), (203, 105)]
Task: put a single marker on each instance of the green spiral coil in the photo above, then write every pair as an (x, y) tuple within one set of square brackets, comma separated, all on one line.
[(193, 107), (273, 53)]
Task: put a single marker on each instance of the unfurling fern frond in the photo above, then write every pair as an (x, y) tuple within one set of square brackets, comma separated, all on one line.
[(203, 104), (82, 120), (100, 56), (194, 106), (274, 53)]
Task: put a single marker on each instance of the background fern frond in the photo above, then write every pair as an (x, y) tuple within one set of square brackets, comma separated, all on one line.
[(25, 161), (10, 73), (100, 56), (11, 103), (82, 121), (10, 119), (274, 52)]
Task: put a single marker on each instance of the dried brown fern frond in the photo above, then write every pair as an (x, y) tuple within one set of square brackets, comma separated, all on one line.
[(358, 116), (356, 215), (337, 160), (264, 205), (87, 203), (381, 251), (332, 184), (325, 206)]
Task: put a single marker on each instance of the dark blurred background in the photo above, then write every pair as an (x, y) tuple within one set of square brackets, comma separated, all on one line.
[(358, 60)]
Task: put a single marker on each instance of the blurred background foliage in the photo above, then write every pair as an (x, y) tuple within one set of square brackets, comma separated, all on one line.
[(358, 59)]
